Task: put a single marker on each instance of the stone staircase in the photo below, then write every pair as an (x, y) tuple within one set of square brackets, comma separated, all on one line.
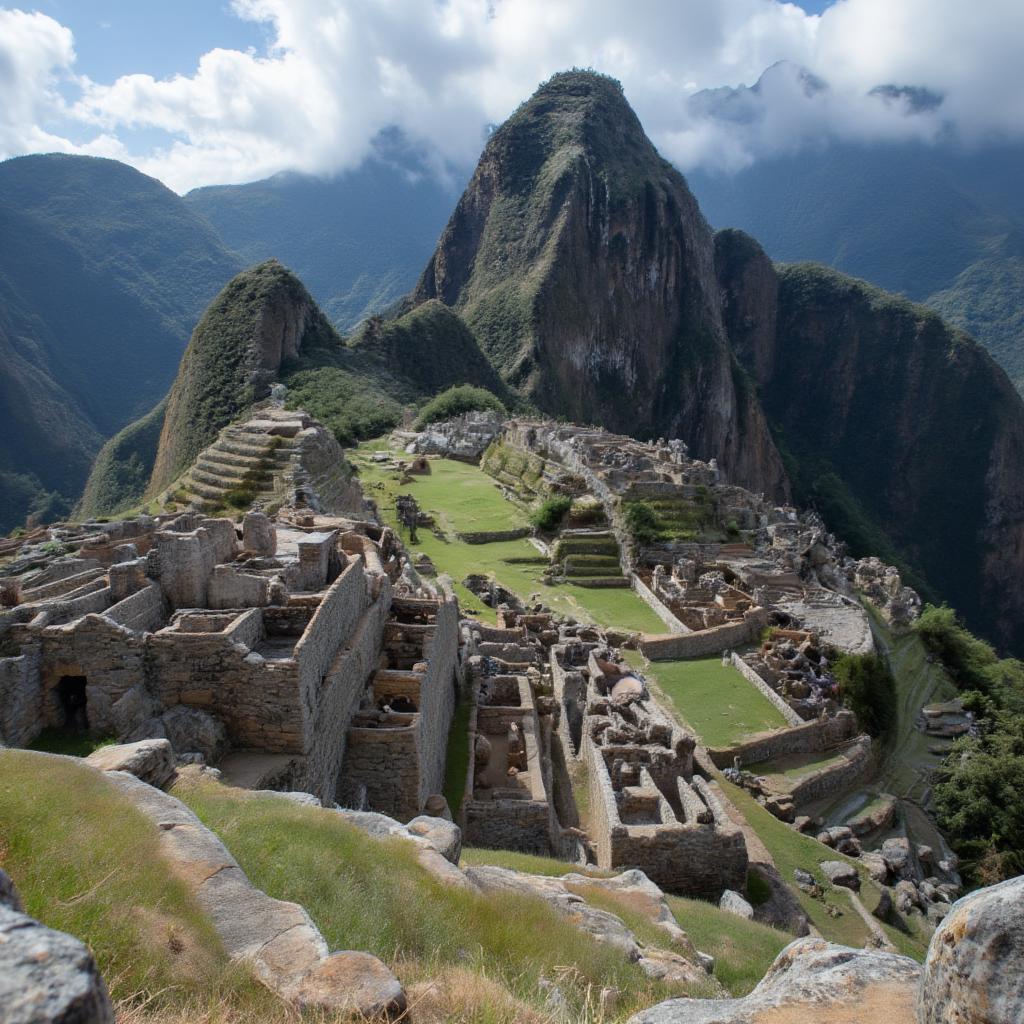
[(589, 558), (248, 462)]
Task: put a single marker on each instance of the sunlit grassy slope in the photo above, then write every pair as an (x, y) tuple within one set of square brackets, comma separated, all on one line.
[(86, 862), (715, 700), (370, 894), (463, 499)]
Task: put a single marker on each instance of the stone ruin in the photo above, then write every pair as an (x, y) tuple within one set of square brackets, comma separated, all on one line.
[(650, 807), (266, 650)]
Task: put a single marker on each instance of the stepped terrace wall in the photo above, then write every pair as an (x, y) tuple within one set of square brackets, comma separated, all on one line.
[(807, 738), (706, 641)]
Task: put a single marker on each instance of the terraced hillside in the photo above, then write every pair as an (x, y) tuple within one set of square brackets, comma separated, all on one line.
[(464, 500)]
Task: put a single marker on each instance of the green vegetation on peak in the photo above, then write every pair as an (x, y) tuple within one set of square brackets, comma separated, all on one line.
[(457, 400), (263, 317), (359, 387)]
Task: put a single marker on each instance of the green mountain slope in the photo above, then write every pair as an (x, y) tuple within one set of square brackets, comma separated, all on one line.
[(358, 241), (102, 274), (899, 427), (264, 327), (940, 224)]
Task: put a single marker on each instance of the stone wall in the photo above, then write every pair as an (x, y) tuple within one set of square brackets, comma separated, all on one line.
[(807, 738), (229, 588), (689, 859), (437, 699), (856, 763), (109, 656), (705, 641), (656, 604), (386, 762), (258, 700), (20, 698), (336, 654), (143, 611), (185, 560), (755, 680)]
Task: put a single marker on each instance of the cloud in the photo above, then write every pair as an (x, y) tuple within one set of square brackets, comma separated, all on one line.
[(339, 72)]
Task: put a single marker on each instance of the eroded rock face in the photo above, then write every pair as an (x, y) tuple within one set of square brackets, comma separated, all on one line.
[(47, 977), (602, 305), (899, 381), (809, 981), (974, 972)]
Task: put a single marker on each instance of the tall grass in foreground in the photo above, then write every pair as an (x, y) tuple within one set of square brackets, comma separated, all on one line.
[(372, 895)]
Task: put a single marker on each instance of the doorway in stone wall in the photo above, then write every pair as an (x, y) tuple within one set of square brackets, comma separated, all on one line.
[(72, 700)]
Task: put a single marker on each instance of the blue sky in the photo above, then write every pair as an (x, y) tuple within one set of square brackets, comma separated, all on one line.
[(156, 37)]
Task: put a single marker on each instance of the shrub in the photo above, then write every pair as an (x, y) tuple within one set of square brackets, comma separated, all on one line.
[(641, 522), (551, 513), (868, 689), (461, 398)]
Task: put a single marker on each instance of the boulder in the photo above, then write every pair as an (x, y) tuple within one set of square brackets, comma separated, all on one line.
[(884, 908), (151, 761), (734, 903), (47, 977), (896, 852), (9, 897), (193, 731), (354, 983), (877, 868), (671, 968), (443, 836), (972, 974), (809, 978), (259, 535), (838, 872), (906, 896)]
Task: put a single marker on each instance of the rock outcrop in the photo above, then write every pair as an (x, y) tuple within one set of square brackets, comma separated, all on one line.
[(151, 761), (810, 980), (974, 973), (581, 261), (46, 977), (865, 389)]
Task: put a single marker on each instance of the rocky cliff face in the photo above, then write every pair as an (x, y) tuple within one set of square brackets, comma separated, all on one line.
[(582, 263), (901, 429), (263, 317)]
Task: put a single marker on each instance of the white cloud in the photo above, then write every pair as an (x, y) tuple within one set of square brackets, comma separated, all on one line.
[(340, 71)]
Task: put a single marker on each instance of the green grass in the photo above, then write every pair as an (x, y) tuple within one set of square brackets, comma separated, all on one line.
[(464, 499), (743, 950), (795, 766), (457, 763), (371, 894), (715, 700), (72, 744), (86, 862)]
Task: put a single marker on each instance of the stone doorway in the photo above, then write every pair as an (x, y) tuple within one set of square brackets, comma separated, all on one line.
[(72, 701)]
